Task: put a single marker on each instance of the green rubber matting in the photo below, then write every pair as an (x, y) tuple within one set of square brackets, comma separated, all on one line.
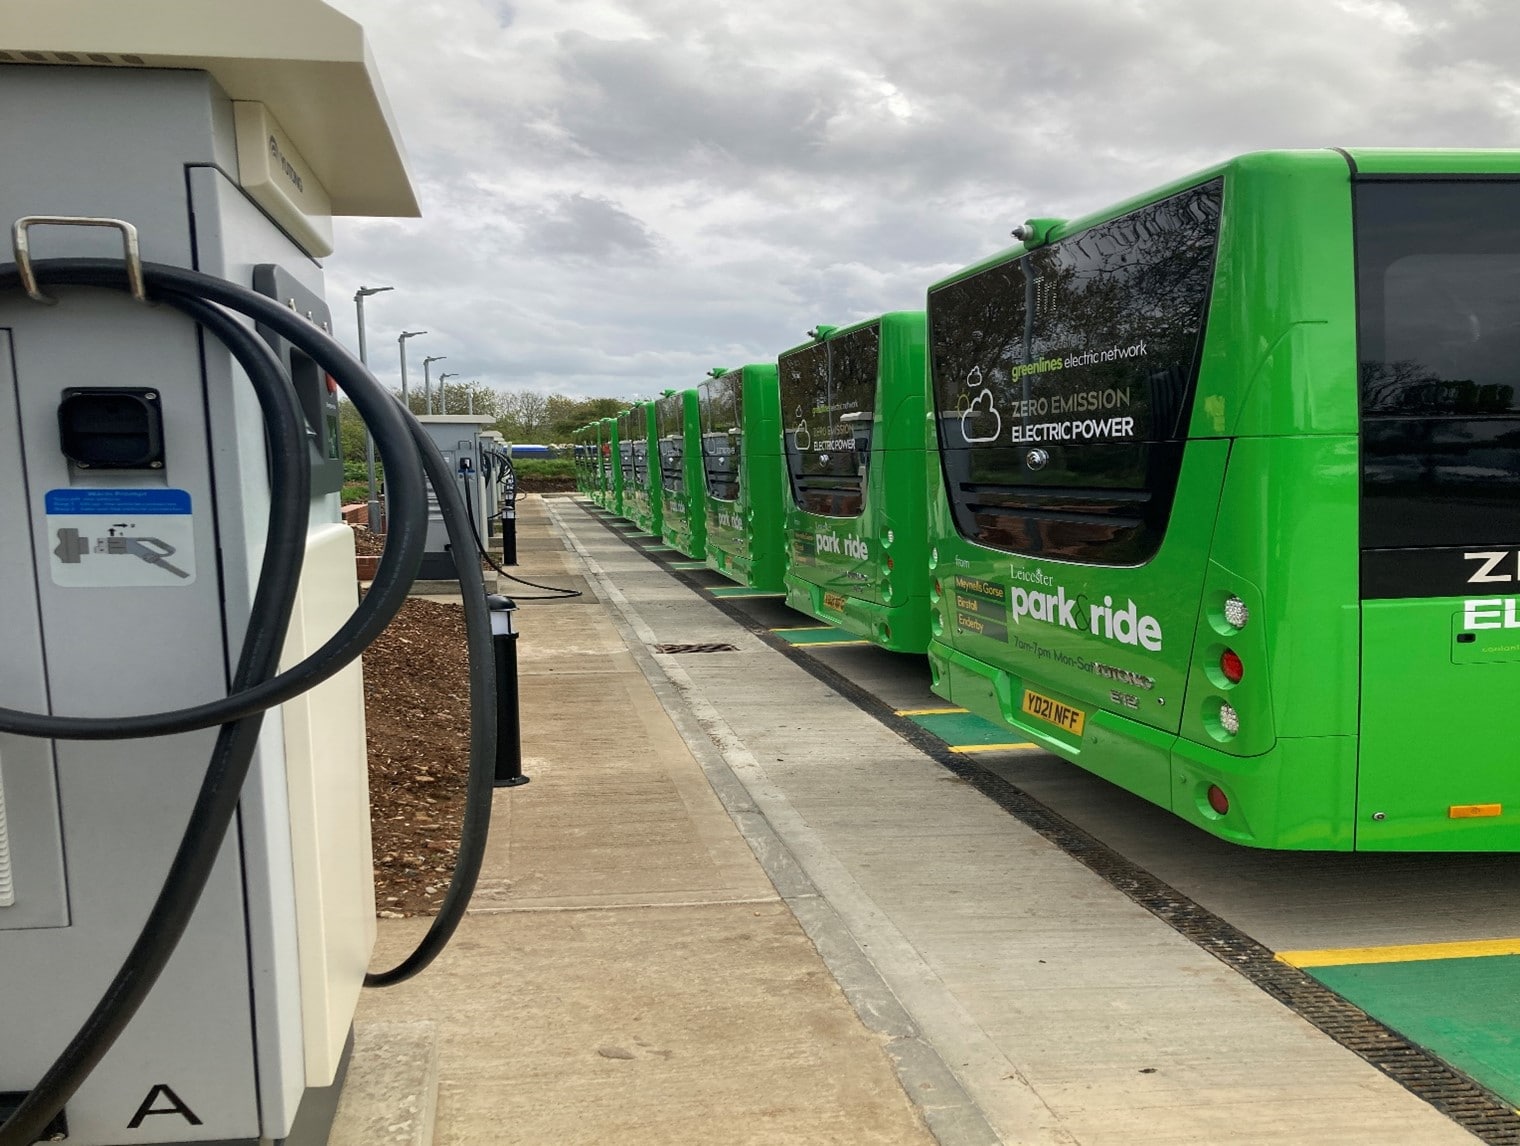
[(1466, 1011), (819, 635), (967, 730), (688, 566), (742, 591)]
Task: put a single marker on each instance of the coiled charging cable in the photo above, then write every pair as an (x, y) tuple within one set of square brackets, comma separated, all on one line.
[(411, 463)]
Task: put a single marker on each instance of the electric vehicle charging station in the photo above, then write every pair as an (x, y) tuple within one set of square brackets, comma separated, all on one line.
[(458, 438), (501, 492), (141, 499)]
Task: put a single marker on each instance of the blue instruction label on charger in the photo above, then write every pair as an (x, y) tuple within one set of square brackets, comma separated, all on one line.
[(105, 502)]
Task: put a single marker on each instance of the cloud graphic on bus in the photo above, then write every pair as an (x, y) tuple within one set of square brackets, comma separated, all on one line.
[(979, 410), (803, 434), (974, 378)]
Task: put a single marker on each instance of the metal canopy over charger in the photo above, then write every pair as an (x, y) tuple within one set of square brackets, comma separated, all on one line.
[(308, 64)]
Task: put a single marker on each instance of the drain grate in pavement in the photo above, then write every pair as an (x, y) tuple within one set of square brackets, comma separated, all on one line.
[(710, 647)]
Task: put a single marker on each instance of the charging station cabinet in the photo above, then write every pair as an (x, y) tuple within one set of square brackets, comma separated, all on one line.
[(133, 502), (459, 438)]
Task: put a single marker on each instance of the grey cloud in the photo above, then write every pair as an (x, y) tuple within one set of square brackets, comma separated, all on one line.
[(586, 227), (659, 101)]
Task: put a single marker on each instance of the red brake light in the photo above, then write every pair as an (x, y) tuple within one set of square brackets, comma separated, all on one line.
[(1231, 665), (1218, 800)]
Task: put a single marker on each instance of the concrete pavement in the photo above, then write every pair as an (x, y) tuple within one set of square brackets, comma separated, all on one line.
[(627, 972)]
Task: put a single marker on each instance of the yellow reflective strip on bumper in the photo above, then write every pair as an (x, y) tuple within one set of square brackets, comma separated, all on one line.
[(1400, 953)]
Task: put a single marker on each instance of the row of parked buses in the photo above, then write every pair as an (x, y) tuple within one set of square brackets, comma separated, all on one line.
[(1215, 493)]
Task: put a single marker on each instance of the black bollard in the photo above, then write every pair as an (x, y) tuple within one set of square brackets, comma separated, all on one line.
[(509, 535), (508, 720)]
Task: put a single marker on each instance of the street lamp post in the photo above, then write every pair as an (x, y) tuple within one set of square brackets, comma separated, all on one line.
[(443, 402), (369, 442), (401, 342), (427, 385)]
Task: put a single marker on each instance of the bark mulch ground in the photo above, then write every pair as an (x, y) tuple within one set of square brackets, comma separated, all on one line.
[(417, 711)]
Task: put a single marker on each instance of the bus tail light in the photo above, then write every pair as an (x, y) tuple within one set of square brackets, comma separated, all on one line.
[(1229, 719), (1218, 800), (1231, 665)]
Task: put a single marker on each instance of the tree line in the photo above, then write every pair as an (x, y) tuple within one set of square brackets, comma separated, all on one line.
[(521, 416)]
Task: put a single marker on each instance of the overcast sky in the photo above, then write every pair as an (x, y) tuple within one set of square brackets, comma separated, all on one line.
[(620, 194)]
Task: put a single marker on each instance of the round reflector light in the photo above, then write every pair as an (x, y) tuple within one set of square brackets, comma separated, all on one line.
[(1229, 719), (1230, 664), (1218, 800), (1235, 613)]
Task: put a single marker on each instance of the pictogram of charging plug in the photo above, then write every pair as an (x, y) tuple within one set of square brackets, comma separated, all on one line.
[(73, 547)]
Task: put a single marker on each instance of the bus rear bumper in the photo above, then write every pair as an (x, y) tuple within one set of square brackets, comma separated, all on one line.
[(1298, 796), (900, 628)]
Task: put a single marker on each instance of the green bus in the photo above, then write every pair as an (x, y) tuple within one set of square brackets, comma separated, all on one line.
[(643, 506), (853, 403), (612, 473), (584, 444), (741, 465), (678, 430), (1228, 508)]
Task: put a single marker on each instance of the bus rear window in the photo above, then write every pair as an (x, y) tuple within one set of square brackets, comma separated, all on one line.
[(722, 403), (1438, 328), (828, 395), (670, 428), (1063, 381)]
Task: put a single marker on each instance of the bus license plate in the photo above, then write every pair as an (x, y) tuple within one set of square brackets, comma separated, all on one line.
[(1063, 716), (834, 601)]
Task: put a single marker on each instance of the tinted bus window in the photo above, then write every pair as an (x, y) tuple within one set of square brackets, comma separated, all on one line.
[(1063, 381), (722, 401), (670, 429), (1438, 309), (828, 394), (638, 429)]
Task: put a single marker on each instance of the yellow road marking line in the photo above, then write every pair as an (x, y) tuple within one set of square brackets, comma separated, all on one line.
[(928, 711), (803, 629), (988, 747), (1400, 953), (827, 644)]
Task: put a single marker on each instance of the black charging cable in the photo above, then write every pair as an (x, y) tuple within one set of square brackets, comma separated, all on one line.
[(411, 461), (551, 592)]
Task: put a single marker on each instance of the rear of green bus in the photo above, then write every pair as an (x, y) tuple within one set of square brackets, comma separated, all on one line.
[(641, 500), (678, 426), (1231, 497), (626, 437), (612, 472), (853, 403), (585, 477), (742, 468)]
